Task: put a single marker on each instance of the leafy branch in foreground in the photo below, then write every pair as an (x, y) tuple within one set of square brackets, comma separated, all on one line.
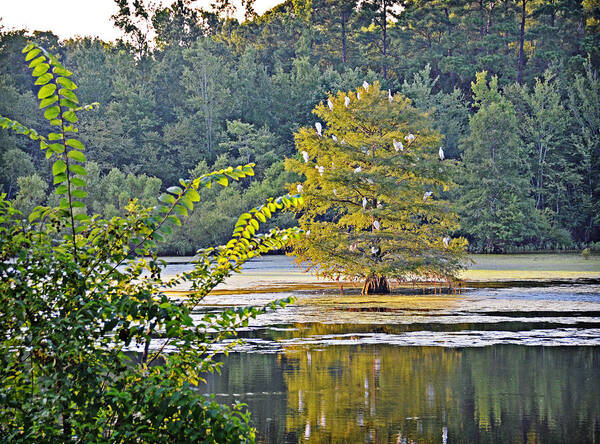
[(93, 348)]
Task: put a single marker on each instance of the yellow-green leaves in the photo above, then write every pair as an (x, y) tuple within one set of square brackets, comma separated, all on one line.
[(46, 91)]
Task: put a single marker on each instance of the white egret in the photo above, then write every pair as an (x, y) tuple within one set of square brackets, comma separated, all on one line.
[(366, 86), (446, 241), (353, 247), (305, 156), (376, 225), (365, 202), (427, 195), (320, 169), (398, 146), (379, 204), (334, 192), (334, 137), (441, 153), (299, 188), (370, 181), (375, 250), (357, 169), (330, 104), (308, 233), (357, 95), (390, 97), (343, 142), (319, 128), (346, 101), (410, 138)]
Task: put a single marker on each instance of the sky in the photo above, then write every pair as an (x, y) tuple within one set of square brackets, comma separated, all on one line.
[(70, 18)]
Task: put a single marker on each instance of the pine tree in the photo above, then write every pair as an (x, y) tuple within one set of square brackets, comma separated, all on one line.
[(374, 192)]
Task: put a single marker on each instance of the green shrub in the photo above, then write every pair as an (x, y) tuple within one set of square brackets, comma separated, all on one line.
[(91, 348)]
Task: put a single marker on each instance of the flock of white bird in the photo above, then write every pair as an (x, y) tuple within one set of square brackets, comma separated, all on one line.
[(398, 146)]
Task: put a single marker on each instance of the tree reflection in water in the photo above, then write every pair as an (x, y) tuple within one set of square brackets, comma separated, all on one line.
[(394, 394)]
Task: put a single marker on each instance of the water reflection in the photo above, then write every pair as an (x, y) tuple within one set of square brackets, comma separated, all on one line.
[(383, 393)]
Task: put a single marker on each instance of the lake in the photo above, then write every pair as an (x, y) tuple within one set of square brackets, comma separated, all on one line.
[(512, 363)]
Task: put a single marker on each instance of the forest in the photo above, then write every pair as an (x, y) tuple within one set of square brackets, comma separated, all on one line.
[(511, 85)]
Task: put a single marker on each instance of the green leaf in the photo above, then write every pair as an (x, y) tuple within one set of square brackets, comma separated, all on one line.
[(167, 198), (193, 195), (174, 190), (28, 48), (32, 54), (68, 104), (62, 189), (81, 217), (43, 79), (40, 69), (49, 101), (59, 178), (80, 194), (75, 144), (46, 91), (67, 83), (223, 181), (70, 116), (76, 155), (55, 136), (76, 203), (174, 219), (77, 169), (59, 167), (78, 182), (37, 61), (61, 71), (180, 209), (52, 112), (68, 94), (57, 148)]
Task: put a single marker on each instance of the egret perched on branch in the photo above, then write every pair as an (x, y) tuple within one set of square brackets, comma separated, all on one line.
[(375, 250), (441, 153), (319, 128), (305, 156), (410, 138), (330, 104), (334, 137), (346, 101), (365, 202), (366, 86), (320, 169), (398, 146), (370, 181), (357, 169), (357, 95), (299, 188), (334, 192), (446, 241), (390, 98), (427, 195), (376, 225)]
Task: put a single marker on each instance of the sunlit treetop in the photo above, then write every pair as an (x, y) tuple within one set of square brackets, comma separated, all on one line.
[(374, 191)]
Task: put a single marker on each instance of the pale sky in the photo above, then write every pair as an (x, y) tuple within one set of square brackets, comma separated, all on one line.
[(70, 18)]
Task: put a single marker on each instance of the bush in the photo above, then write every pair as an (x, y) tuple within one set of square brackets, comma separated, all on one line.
[(92, 349)]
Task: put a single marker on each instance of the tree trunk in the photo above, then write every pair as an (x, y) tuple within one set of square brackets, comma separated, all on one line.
[(376, 285), (343, 39), (521, 44)]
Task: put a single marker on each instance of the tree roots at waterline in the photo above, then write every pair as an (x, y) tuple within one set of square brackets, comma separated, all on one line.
[(376, 285)]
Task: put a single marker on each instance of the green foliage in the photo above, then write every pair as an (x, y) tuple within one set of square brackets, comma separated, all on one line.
[(375, 208), (92, 348)]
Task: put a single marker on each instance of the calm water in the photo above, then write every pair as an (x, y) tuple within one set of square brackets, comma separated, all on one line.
[(509, 365)]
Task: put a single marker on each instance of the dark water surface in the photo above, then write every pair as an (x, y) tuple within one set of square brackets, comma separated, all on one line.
[(386, 393)]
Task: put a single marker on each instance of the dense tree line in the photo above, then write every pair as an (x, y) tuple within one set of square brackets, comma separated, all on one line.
[(511, 84)]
